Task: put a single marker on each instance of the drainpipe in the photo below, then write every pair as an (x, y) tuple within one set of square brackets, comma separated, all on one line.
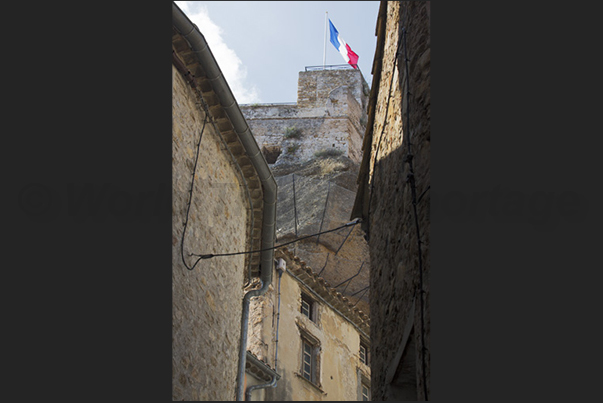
[(199, 46), (281, 267)]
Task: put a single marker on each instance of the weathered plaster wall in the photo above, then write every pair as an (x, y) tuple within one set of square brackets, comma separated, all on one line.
[(397, 272), (207, 301), (339, 341)]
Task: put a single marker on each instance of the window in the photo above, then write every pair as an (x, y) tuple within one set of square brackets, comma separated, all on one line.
[(307, 307), (366, 393), (364, 354), (309, 368), (307, 361), (364, 388)]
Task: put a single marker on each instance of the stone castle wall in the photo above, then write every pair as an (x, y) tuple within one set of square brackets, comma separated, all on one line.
[(329, 115), (314, 87), (207, 301)]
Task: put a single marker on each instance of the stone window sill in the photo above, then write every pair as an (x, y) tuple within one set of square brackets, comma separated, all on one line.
[(304, 323), (315, 386), (366, 368)]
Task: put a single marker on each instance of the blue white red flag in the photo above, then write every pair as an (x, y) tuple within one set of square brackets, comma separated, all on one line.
[(348, 55)]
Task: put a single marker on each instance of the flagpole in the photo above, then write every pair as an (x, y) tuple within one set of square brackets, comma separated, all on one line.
[(324, 57)]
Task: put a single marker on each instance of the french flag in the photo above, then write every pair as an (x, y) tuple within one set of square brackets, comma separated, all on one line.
[(348, 54)]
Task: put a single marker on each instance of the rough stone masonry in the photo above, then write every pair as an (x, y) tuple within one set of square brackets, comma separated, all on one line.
[(388, 189), (328, 116), (328, 119), (206, 301)]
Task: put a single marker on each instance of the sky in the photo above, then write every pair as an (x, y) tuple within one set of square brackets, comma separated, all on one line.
[(261, 46)]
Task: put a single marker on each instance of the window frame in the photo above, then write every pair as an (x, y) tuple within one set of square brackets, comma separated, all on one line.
[(314, 343), (364, 382), (311, 307), (364, 346), (364, 386), (312, 363)]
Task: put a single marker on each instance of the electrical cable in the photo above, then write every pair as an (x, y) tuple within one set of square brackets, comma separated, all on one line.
[(411, 178), (243, 180), (211, 255), (294, 203), (205, 108), (345, 281), (324, 267), (425, 191), (360, 297), (346, 238), (350, 282), (363, 289), (190, 197), (325, 209)]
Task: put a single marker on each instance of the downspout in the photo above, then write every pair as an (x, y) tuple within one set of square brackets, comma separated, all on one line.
[(281, 267), (198, 45)]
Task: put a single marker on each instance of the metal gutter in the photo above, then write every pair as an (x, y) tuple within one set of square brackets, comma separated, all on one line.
[(220, 87), (260, 364)]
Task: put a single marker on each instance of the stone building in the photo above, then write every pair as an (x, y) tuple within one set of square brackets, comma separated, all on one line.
[(329, 116), (393, 201), (313, 147), (224, 200), (308, 335)]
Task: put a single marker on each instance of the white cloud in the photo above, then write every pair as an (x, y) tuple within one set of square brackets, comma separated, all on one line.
[(232, 67)]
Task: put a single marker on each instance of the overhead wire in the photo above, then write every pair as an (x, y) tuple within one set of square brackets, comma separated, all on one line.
[(211, 255), (324, 267), (346, 238), (361, 295), (349, 278)]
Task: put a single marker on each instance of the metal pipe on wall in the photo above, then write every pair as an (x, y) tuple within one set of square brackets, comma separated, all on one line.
[(281, 267), (220, 87)]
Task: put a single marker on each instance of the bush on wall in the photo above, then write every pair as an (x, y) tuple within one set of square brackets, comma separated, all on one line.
[(328, 152), (292, 133)]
